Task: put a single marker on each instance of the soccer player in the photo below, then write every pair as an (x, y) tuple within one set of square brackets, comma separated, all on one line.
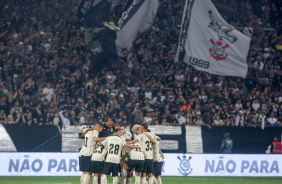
[(109, 128), (126, 136), (146, 139), (158, 163), (97, 163), (135, 160), (90, 136), (114, 146)]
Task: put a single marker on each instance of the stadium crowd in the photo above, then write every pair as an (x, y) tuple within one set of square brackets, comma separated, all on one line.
[(45, 78)]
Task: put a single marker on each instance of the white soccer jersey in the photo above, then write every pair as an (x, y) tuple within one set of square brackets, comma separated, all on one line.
[(115, 144), (134, 153), (146, 144), (88, 143), (99, 154), (157, 156), (82, 143)]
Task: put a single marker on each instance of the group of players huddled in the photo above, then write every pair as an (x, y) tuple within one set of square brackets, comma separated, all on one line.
[(109, 150)]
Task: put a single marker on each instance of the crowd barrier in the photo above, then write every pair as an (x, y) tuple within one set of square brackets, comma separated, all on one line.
[(175, 139), (66, 164), (35, 138)]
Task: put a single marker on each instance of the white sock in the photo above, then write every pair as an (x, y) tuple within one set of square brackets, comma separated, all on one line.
[(143, 180), (159, 180), (151, 180), (137, 179), (104, 179), (115, 180), (122, 175), (86, 179), (128, 180), (155, 180), (81, 177), (95, 180)]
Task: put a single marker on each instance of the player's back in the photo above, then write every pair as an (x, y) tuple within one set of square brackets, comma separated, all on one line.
[(146, 144), (88, 143), (99, 153), (115, 145), (136, 153)]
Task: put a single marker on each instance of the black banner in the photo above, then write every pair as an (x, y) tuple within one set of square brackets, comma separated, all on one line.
[(246, 140), (35, 138)]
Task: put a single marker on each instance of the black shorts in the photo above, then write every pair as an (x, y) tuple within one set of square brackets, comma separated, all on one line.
[(86, 161), (138, 164), (97, 167), (110, 168), (158, 168), (148, 166), (81, 164)]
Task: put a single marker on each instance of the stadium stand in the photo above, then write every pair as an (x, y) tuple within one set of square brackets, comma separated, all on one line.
[(43, 70)]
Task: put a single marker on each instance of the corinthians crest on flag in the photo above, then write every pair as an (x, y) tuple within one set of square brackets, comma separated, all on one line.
[(208, 43)]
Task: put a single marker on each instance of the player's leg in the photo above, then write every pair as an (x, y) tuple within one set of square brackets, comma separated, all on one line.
[(100, 171), (87, 178), (158, 171), (81, 177), (104, 179), (95, 178), (123, 173), (106, 171), (143, 173), (159, 180), (150, 171), (81, 168), (129, 176), (143, 178), (115, 168)]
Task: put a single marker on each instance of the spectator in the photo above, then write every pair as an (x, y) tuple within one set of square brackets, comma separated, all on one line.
[(29, 119), (2, 117), (272, 121), (199, 122), (240, 119), (217, 121), (10, 119), (48, 92), (252, 120)]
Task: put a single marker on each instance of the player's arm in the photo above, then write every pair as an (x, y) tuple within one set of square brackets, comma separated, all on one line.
[(132, 146), (133, 142), (144, 153), (89, 129), (151, 138), (104, 142), (158, 138), (96, 139), (162, 155), (123, 157)]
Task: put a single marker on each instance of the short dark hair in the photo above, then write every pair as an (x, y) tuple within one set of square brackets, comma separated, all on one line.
[(121, 125), (117, 130), (98, 124), (145, 125), (113, 120)]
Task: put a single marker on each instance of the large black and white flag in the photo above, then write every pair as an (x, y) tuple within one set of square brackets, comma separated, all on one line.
[(100, 36), (84, 5), (137, 16), (209, 43)]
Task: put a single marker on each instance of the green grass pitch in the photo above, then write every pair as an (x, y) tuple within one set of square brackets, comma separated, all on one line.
[(165, 179)]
